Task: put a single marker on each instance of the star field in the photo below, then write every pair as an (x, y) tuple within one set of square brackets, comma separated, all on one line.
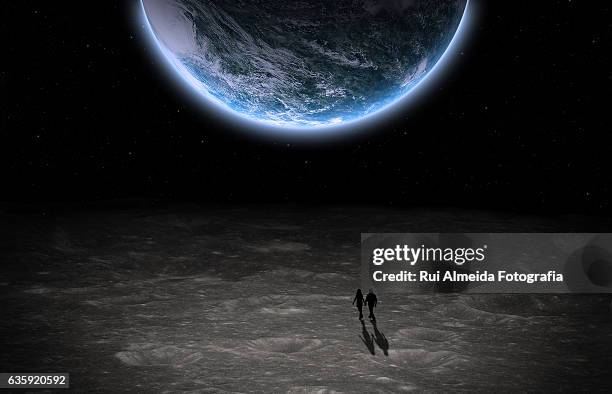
[(519, 122)]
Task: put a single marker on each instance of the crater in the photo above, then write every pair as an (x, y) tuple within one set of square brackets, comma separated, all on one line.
[(150, 355), (285, 345), (419, 358), (311, 390), (425, 334), (283, 311)]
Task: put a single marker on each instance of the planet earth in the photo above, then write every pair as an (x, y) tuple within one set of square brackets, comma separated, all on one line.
[(303, 64)]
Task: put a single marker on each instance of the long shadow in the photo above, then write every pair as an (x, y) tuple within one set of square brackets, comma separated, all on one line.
[(366, 338), (380, 339)]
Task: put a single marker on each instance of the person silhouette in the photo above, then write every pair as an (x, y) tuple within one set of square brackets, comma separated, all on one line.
[(371, 301), (359, 300)]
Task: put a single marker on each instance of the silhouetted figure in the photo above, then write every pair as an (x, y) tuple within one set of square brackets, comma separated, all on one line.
[(381, 340), (359, 300), (366, 338), (371, 301)]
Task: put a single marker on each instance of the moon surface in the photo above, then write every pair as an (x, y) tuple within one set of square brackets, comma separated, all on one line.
[(189, 299)]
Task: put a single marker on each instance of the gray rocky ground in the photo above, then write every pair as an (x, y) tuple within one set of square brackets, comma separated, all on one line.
[(258, 299)]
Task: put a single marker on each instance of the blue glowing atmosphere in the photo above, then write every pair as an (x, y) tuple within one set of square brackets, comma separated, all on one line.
[(308, 66)]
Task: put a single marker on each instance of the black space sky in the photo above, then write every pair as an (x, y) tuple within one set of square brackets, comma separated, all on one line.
[(520, 122)]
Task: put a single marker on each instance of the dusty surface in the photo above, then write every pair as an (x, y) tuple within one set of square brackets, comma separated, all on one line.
[(239, 300)]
